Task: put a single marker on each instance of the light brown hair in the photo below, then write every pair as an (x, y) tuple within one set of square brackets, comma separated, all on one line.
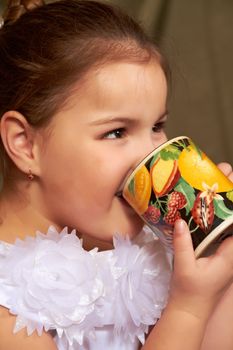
[(46, 49)]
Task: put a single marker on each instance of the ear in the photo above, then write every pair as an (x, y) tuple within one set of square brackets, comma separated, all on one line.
[(19, 141)]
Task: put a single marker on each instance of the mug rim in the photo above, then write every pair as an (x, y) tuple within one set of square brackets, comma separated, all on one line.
[(214, 234)]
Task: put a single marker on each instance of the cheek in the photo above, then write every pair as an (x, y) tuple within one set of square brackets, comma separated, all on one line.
[(77, 178), (107, 163), (163, 138), (59, 168), (83, 172)]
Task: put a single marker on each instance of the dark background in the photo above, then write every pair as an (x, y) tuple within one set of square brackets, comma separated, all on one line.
[(197, 38)]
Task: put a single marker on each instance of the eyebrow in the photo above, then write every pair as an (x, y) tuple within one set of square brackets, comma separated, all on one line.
[(126, 120)]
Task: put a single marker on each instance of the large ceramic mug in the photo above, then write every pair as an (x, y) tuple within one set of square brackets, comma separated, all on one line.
[(177, 180)]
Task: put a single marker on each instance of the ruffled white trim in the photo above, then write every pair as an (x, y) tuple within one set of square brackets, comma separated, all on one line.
[(54, 284)]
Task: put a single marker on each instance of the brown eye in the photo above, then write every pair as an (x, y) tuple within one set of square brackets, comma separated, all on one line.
[(115, 134), (158, 127)]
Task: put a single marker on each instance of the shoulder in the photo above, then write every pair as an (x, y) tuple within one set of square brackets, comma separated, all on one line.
[(20, 340)]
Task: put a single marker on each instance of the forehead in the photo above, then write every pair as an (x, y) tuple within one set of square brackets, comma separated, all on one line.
[(119, 81), (116, 90)]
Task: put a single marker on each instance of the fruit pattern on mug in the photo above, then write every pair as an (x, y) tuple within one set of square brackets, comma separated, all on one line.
[(185, 184)]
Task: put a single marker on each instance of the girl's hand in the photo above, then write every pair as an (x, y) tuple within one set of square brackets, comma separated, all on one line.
[(196, 288), (198, 284), (226, 168)]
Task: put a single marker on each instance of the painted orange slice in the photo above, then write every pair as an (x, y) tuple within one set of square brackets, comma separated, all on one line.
[(142, 190)]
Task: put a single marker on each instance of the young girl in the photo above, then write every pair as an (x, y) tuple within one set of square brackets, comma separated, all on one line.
[(83, 99)]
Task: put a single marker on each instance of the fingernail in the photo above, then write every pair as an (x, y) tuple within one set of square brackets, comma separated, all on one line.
[(180, 226)]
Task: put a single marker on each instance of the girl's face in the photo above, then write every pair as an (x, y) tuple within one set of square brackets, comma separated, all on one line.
[(112, 120)]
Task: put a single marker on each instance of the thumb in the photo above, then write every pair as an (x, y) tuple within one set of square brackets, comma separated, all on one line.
[(183, 247)]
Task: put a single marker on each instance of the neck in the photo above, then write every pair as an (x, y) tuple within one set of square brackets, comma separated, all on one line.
[(19, 217)]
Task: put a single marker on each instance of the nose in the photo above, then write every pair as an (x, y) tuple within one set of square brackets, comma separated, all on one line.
[(140, 149), (145, 146)]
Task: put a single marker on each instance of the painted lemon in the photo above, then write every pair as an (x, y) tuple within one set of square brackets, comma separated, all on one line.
[(196, 168), (140, 197)]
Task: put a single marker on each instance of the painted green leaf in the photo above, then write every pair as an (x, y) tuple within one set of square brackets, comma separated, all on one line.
[(170, 152), (230, 195), (220, 209), (181, 144), (188, 191), (131, 187), (153, 160)]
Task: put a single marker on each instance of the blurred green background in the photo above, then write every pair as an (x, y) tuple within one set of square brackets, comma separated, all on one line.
[(197, 38)]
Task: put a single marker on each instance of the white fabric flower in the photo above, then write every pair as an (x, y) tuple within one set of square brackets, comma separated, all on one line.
[(54, 284), (53, 278), (143, 278)]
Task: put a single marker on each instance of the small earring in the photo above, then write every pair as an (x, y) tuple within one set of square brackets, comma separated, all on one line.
[(30, 175)]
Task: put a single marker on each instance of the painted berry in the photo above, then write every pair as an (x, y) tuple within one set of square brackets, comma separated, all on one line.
[(172, 215), (203, 211), (176, 200), (152, 214)]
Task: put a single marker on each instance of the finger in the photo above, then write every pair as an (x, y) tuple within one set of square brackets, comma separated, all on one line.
[(230, 176), (183, 247), (226, 168)]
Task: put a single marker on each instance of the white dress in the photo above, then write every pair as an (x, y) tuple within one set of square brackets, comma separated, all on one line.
[(87, 300)]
